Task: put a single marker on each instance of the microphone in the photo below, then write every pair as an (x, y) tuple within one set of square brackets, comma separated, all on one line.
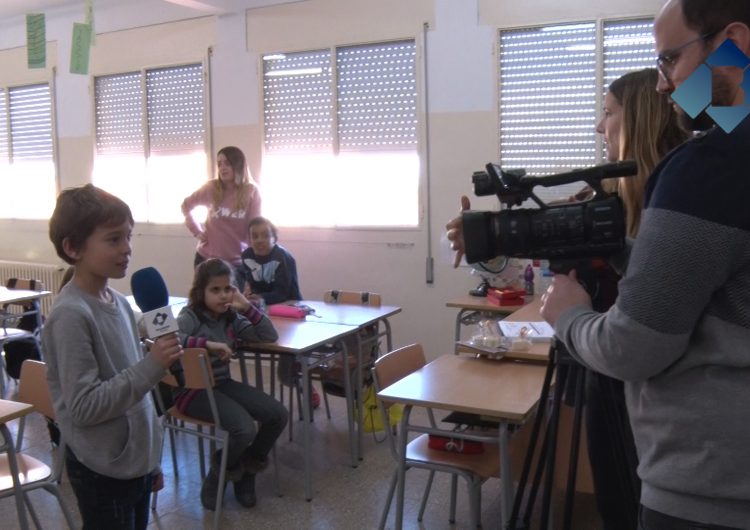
[(151, 297)]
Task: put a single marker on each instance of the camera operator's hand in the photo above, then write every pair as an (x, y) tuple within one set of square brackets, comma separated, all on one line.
[(564, 293), (455, 232)]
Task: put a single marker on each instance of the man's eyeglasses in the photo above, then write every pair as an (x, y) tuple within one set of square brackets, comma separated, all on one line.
[(665, 61)]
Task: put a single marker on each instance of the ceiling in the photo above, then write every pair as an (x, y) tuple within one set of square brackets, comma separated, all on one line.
[(14, 8)]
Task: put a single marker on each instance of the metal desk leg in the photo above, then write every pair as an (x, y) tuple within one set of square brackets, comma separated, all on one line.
[(402, 440), (457, 334), (360, 382), (243, 368), (388, 334), (349, 386), (506, 475), (19, 494), (306, 427), (258, 373)]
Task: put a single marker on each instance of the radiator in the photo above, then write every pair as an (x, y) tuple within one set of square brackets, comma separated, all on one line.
[(50, 275)]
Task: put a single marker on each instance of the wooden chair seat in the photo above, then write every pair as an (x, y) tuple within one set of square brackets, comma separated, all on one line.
[(179, 416), (30, 470), (485, 465)]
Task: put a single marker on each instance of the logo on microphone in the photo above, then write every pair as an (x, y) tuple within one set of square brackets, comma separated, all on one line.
[(160, 322), (159, 319), (694, 95)]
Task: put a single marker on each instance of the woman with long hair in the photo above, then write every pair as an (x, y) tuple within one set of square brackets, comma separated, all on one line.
[(232, 199), (638, 124)]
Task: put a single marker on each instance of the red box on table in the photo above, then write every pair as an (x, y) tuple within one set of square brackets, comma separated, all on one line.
[(505, 296)]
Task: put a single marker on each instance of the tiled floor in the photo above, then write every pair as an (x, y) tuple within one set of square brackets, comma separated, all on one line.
[(343, 497)]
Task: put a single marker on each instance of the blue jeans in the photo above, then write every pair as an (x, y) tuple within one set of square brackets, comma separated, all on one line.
[(240, 406), (649, 519), (106, 502)]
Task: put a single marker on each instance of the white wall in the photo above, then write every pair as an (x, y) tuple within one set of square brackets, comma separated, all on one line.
[(461, 77)]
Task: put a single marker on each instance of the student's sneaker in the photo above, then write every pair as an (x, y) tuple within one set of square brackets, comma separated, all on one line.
[(244, 490)]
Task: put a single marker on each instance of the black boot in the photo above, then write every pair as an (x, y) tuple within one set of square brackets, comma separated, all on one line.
[(244, 490), (210, 489), (233, 472), (252, 464)]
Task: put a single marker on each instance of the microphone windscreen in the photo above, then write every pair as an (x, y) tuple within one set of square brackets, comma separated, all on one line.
[(149, 290)]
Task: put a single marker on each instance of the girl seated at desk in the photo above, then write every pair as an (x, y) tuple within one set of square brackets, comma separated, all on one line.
[(271, 273), (216, 316)]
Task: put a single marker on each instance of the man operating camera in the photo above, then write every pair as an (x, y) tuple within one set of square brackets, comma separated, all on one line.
[(679, 331)]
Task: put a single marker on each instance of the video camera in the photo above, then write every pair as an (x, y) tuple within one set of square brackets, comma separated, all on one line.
[(559, 232)]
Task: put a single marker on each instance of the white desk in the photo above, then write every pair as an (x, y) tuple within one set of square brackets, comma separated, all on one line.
[(506, 391), (16, 296), (539, 351), (360, 316), (298, 337), (472, 308)]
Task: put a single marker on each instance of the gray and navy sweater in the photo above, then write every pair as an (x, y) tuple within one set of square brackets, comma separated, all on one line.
[(679, 333), (198, 327)]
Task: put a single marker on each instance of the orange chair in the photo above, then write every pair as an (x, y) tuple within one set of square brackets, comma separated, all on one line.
[(198, 376), (32, 473), (474, 469)]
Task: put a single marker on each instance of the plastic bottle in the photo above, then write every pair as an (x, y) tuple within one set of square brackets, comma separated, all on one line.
[(528, 277)]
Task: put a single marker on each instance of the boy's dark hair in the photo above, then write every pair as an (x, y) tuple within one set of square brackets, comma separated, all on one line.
[(260, 220), (79, 211), (710, 16), (204, 272)]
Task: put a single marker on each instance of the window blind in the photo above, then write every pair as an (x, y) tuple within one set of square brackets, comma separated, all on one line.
[(174, 113), (175, 108), (3, 128), (547, 98), (30, 122), (628, 46), (298, 101), (119, 114), (377, 96), (348, 119)]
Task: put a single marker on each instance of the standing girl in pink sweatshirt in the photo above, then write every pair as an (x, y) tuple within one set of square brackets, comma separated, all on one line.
[(232, 199)]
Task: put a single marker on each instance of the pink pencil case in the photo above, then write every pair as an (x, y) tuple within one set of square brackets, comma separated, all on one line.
[(286, 311)]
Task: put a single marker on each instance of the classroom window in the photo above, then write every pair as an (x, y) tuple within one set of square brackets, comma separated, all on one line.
[(341, 137), (27, 167), (550, 92), (151, 138)]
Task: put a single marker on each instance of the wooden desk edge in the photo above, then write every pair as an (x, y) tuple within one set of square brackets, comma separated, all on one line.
[(11, 410)]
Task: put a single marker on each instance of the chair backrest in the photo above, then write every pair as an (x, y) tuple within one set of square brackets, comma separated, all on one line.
[(335, 296), (25, 283), (396, 365), (196, 368), (33, 387), (390, 368)]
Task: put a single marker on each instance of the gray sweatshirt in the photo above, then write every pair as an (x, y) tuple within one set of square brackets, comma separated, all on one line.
[(100, 382), (197, 327), (679, 333)]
